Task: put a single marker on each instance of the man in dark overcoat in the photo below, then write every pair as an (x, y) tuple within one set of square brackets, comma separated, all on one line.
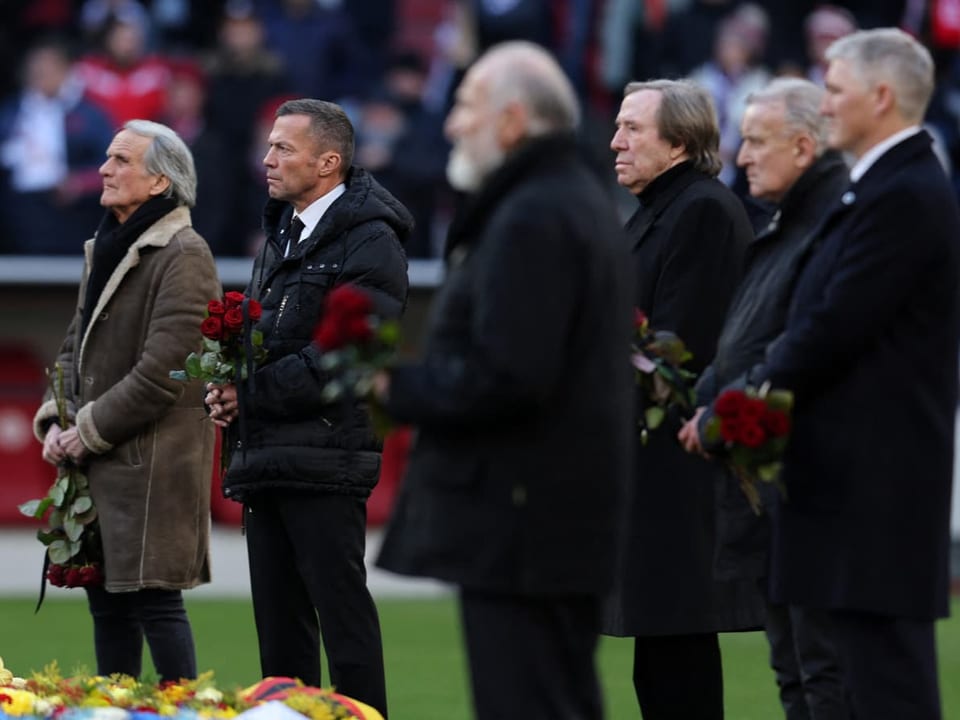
[(522, 397), (787, 163), (870, 353), (687, 239)]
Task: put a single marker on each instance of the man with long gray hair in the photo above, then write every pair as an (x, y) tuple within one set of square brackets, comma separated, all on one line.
[(141, 436), (870, 351), (522, 397), (788, 164), (687, 239)]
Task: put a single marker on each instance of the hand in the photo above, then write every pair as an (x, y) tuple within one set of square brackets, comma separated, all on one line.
[(222, 401), (689, 435), (73, 446), (52, 452), (381, 386)]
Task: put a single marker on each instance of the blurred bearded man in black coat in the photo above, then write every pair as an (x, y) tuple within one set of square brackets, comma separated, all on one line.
[(523, 397)]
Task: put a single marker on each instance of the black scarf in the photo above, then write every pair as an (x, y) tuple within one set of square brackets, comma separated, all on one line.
[(111, 244)]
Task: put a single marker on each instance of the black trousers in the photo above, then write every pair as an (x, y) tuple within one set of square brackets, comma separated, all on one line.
[(804, 659), (532, 657), (678, 677), (889, 666), (307, 578), (122, 620)]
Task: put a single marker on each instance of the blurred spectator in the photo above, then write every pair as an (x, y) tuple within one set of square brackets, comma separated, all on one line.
[(732, 74), (242, 76), (400, 140), (51, 146), (319, 48), (184, 113), (375, 25), (821, 27), (122, 78), (97, 15), (689, 37)]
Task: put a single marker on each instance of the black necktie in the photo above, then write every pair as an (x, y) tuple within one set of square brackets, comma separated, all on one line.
[(293, 233)]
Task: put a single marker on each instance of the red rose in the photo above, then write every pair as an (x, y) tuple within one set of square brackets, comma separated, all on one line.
[(212, 328), (215, 307), (639, 319), (776, 422), (72, 577), (753, 409), (730, 403), (254, 310), (233, 319), (329, 335), (348, 300), (55, 575), (233, 299), (751, 435), (89, 575), (358, 329), (730, 429)]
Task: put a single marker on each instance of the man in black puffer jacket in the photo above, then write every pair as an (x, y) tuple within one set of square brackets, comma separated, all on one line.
[(303, 468)]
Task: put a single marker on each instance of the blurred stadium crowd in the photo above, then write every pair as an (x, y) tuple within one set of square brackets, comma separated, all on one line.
[(216, 70)]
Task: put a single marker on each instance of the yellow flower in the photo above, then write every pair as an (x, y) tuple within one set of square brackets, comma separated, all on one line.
[(17, 702), (5, 675)]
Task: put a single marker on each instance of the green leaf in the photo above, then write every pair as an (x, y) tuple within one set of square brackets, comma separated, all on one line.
[(59, 551), (769, 472), (333, 390), (389, 333), (58, 492), (81, 504), (211, 345), (72, 528), (192, 365), (31, 508), (653, 417), (256, 337), (48, 536), (209, 362)]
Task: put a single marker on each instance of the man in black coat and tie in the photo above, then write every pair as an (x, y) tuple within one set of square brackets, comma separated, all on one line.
[(522, 398), (870, 353), (787, 163), (687, 239)]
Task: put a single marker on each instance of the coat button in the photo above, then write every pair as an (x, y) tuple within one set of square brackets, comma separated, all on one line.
[(88, 380), (104, 315)]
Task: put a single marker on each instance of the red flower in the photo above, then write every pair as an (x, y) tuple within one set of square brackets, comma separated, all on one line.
[(345, 319), (254, 310), (212, 328), (55, 575), (329, 336), (233, 319), (776, 422), (730, 403), (90, 575), (348, 300), (72, 577), (751, 435), (639, 319), (215, 307), (730, 429), (753, 409), (233, 299)]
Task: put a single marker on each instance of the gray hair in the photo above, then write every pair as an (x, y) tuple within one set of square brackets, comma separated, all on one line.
[(890, 55), (801, 107), (329, 125), (686, 117), (523, 72), (168, 155)]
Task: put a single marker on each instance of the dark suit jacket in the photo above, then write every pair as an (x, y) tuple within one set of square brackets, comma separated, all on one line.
[(870, 350), (687, 242), (523, 395)]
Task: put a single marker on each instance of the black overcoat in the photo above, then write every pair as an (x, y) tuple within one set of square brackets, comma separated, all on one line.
[(523, 395), (687, 242), (870, 350)]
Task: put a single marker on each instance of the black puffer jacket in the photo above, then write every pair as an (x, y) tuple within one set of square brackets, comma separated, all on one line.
[(286, 435)]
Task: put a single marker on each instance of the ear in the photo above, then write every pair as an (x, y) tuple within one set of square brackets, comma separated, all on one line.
[(884, 99), (512, 125), (159, 186), (678, 153), (329, 163), (804, 150)]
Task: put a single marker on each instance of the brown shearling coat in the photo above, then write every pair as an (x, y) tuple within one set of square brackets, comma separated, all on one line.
[(150, 441)]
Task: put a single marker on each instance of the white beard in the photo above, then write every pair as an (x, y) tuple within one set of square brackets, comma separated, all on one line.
[(467, 171), (462, 173)]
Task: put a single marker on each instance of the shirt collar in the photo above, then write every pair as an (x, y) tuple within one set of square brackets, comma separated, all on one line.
[(312, 214), (871, 156)]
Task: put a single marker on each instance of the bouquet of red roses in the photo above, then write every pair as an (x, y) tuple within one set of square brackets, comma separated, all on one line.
[(355, 342), (228, 339), (754, 426), (72, 536), (657, 357)]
